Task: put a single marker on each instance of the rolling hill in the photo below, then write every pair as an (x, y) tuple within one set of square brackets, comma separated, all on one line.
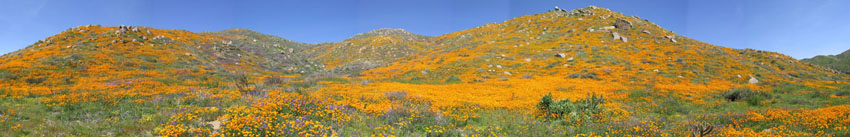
[(840, 62), (590, 43), (369, 50)]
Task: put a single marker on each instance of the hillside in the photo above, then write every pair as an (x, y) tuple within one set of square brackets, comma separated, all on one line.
[(840, 62), (87, 57), (372, 49), (588, 40), (583, 72)]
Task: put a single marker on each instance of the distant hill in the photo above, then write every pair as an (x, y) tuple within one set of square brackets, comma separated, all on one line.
[(840, 62), (376, 48)]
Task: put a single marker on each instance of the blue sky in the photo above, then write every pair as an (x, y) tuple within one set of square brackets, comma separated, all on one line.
[(800, 28)]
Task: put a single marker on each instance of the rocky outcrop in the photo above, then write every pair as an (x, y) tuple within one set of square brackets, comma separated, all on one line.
[(623, 24)]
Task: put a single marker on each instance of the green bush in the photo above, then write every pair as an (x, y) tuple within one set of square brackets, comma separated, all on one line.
[(7, 76), (842, 93), (737, 94), (453, 79), (584, 76), (585, 108), (36, 80), (743, 94)]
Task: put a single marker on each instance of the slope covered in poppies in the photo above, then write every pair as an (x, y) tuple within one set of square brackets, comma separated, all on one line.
[(376, 48), (583, 72), (593, 43)]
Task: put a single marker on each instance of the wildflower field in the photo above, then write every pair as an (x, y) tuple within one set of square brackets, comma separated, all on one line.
[(556, 73)]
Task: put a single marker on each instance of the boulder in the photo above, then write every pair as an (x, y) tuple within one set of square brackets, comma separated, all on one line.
[(364, 82), (672, 38), (216, 125), (607, 27), (561, 55), (503, 78), (753, 80), (616, 35), (623, 24)]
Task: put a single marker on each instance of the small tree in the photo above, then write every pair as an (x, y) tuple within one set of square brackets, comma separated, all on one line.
[(243, 84)]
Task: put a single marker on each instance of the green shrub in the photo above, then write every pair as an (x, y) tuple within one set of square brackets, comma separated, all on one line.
[(453, 79), (35, 80), (737, 94), (585, 108), (842, 93), (743, 94), (7, 76), (584, 75), (545, 101)]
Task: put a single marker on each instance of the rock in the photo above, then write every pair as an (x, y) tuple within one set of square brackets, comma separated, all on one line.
[(672, 38), (656, 70), (570, 59), (753, 80), (681, 61), (623, 24), (647, 32), (608, 27), (503, 78), (561, 55), (364, 82), (560, 9), (526, 77), (616, 35), (624, 39), (527, 59), (767, 130), (508, 73), (216, 125)]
